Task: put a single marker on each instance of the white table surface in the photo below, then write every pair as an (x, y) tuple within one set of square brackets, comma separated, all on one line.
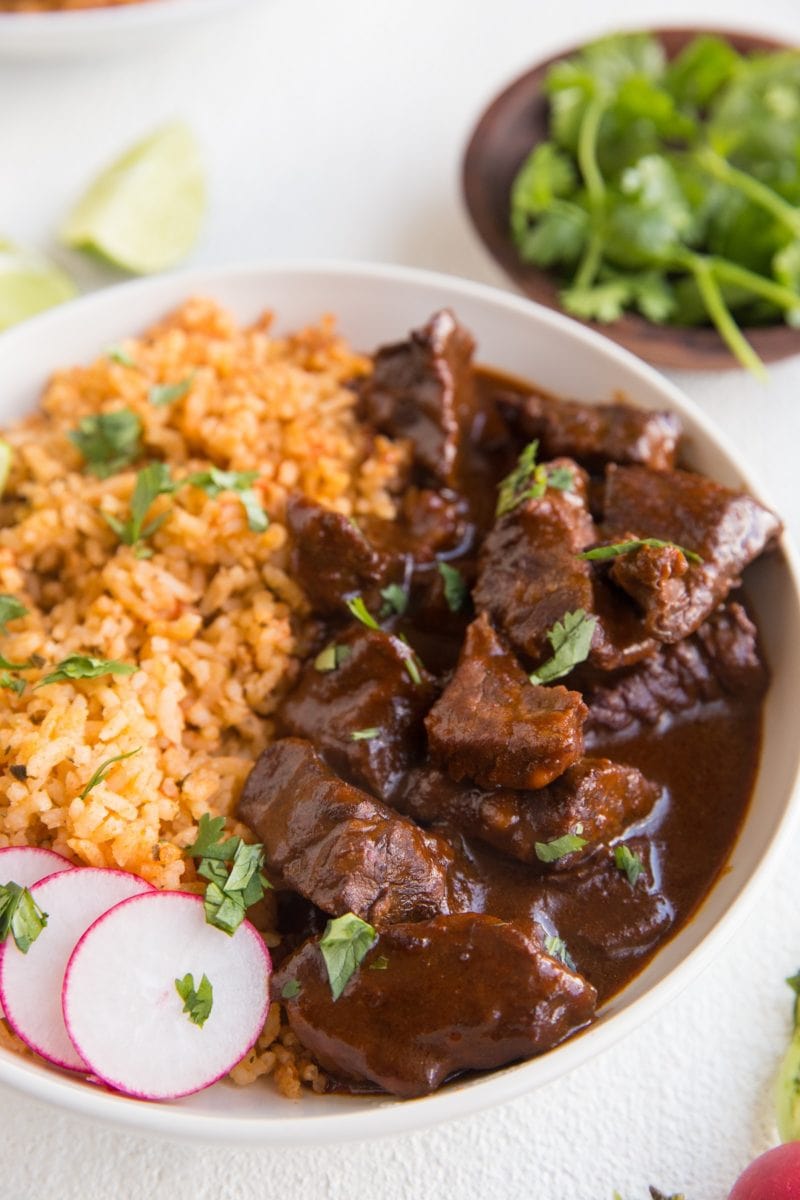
[(334, 129)]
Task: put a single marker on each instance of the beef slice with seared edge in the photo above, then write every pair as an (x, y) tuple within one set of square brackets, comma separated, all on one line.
[(494, 726), (721, 659), (370, 695), (339, 847), (727, 529), (596, 799), (423, 389), (458, 993), (594, 434), (530, 575)]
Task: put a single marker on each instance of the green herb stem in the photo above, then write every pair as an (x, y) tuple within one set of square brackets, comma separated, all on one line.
[(721, 317), (587, 151), (756, 191), (776, 293)]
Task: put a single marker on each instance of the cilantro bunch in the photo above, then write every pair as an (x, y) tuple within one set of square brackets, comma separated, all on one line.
[(669, 188)]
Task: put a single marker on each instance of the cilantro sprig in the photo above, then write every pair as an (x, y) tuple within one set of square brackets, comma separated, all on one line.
[(82, 666), (344, 945), (99, 775), (530, 480), (20, 916), (617, 549), (108, 441), (628, 862), (570, 640), (455, 589), (151, 482), (197, 1001), (233, 869), (662, 187), (548, 852), (11, 609), (215, 481)]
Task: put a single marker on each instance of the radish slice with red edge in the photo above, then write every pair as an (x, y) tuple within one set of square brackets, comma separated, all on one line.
[(26, 865), (30, 984), (123, 1010)]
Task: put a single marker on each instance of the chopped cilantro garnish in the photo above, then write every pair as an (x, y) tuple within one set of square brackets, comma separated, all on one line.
[(455, 589), (601, 553), (118, 355), (794, 983), (396, 600), (214, 481), (548, 852), (628, 862), (528, 481), (291, 989), (556, 947), (344, 944), (20, 916), (365, 735), (151, 482), (108, 441), (561, 478), (331, 657), (12, 683), (161, 394), (101, 772), (197, 1002), (359, 610), (381, 963), (81, 666), (410, 660), (11, 609), (233, 870), (571, 641)]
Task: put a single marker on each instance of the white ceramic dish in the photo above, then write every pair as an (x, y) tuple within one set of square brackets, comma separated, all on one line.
[(376, 304), (84, 33)]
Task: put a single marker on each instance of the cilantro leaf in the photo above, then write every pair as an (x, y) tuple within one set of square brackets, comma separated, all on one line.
[(359, 610), (108, 441), (556, 239), (546, 175), (161, 394), (12, 684), (556, 947), (628, 862), (700, 70), (602, 553), (233, 869), (101, 772), (215, 481), (396, 598), (197, 1002), (20, 916), (81, 666), (11, 609), (343, 945), (570, 640), (331, 657), (119, 355), (381, 963), (291, 989), (365, 735), (528, 481), (548, 852), (151, 482), (455, 589)]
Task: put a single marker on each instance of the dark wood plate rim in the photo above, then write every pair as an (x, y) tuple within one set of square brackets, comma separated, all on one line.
[(486, 194)]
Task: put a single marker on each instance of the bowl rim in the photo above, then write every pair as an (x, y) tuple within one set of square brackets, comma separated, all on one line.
[(698, 347), (391, 1117), (77, 23)]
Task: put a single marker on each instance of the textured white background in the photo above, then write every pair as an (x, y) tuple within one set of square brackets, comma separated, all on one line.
[(334, 129)]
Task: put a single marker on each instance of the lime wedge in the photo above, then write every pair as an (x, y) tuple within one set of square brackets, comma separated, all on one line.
[(28, 284), (144, 211)]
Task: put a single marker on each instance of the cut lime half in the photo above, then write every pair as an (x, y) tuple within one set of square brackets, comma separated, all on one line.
[(29, 283), (144, 212)]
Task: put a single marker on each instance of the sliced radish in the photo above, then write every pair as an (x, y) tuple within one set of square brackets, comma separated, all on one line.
[(123, 1011), (30, 984), (26, 865)]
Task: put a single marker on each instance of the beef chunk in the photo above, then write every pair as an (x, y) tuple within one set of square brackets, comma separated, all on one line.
[(529, 576), (595, 798), (371, 690), (608, 924), (494, 726), (727, 529), (423, 389), (594, 434), (333, 560), (338, 846), (722, 658), (457, 993)]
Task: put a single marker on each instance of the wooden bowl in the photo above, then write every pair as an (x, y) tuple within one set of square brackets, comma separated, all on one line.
[(506, 133)]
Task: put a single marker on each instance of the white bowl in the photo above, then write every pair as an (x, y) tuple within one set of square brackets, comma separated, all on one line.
[(84, 33), (375, 304)]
